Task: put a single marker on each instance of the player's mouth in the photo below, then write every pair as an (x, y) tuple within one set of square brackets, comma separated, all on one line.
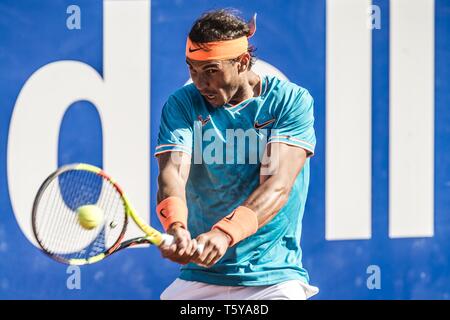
[(209, 96)]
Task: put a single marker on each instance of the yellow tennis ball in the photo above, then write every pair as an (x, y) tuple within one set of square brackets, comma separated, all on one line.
[(90, 216)]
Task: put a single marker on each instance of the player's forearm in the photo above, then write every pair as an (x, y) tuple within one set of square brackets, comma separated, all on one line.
[(170, 185), (174, 170), (269, 198), (262, 205), (281, 168), (172, 210)]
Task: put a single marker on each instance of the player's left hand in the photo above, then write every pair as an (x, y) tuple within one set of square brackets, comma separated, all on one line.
[(183, 247), (215, 244)]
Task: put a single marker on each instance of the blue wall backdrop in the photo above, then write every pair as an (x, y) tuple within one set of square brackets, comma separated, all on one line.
[(291, 36)]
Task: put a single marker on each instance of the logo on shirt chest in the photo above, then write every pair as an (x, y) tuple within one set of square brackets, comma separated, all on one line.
[(204, 121), (259, 125)]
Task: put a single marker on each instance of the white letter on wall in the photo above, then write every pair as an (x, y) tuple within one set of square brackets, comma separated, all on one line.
[(121, 97), (348, 120), (411, 130)]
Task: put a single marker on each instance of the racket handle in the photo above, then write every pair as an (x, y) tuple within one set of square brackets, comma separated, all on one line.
[(168, 239)]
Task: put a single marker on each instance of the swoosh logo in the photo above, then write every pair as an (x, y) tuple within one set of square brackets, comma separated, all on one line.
[(203, 121), (229, 217), (193, 50), (264, 124), (163, 213)]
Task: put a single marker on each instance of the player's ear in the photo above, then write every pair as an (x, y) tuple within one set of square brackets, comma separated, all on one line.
[(244, 62)]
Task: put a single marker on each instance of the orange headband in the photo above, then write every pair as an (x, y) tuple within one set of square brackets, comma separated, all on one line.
[(216, 50), (221, 50)]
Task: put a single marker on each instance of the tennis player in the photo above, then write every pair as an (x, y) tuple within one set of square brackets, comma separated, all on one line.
[(247, 213)]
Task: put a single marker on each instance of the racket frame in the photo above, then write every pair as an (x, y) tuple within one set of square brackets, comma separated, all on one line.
[(152, 236)]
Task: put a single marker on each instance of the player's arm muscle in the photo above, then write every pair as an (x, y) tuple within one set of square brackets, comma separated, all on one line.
[(279, 169), (174, 170)]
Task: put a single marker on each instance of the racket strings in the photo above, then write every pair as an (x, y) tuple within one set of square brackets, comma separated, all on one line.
[(108, 233), (56, 219), (53, 223), (70, 197), (68, 223), (84, 195), (52, 220)]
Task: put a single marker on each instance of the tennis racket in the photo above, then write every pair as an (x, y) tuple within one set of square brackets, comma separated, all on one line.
[(56, 224)]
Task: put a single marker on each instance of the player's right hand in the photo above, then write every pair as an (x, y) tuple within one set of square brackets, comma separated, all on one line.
[(183, 247)]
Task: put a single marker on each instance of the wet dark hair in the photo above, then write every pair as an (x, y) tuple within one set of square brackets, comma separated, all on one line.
[(218, 25)]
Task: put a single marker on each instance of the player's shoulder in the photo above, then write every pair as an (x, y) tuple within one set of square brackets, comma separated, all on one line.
[(186, 91), (285, 89), (186, 96), (286, 94)]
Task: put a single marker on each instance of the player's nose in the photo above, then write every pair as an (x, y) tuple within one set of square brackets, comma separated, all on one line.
[(201, 84)]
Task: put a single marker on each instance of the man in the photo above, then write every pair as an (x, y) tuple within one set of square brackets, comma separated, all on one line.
[(245, 213)]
